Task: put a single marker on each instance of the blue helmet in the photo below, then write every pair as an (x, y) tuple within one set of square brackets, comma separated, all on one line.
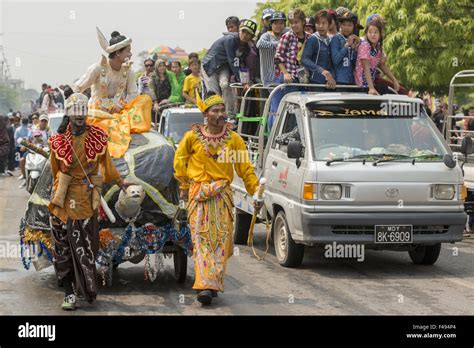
[(275, 16), (267, 13)]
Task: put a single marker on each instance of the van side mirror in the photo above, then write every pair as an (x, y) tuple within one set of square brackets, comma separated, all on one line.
[(466, 145), (449, 161), (294, 149)]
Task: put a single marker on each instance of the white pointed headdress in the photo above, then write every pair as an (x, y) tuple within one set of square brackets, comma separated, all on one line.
[(105, 44)]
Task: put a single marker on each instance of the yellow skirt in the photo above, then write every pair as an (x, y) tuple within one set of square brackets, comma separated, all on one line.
[(135, 117), (211, 223)]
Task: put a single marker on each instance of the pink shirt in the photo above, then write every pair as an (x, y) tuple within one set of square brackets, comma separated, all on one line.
[(365, 51)]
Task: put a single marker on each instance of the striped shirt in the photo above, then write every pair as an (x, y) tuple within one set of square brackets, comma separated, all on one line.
[(267, 46)]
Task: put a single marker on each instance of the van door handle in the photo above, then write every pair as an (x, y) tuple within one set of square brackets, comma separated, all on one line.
[(274, 163)]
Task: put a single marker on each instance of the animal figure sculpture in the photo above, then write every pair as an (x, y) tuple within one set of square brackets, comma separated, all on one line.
[(128, 205)]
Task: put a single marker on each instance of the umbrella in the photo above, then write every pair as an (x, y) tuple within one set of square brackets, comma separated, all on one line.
[(162, 50)]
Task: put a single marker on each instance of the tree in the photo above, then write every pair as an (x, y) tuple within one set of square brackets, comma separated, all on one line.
[(309, 7), (426, 41)]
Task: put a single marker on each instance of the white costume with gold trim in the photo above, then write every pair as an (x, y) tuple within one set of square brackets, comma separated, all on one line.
[(114, 94)]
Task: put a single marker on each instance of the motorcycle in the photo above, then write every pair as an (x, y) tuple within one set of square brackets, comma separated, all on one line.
[(34, 164)]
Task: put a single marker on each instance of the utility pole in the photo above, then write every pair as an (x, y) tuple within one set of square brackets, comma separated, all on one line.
[(4, 73), (1, 76), (5, 68)]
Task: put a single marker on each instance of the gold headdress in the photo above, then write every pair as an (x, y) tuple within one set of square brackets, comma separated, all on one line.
[(207, 103)]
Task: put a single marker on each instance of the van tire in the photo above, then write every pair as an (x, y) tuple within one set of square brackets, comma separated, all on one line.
[(288, 253), (425, 254), (241, 227)]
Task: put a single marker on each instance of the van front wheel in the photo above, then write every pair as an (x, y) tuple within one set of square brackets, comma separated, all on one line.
[(425, 254), (288, 253)]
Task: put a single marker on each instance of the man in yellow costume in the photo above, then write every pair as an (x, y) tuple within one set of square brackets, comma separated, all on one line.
[(204, 166), (114, 91)]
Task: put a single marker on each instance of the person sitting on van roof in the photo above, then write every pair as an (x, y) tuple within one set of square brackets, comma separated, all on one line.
[(267, 46), (316, 55), (344, 49), (266, 26), (219, 62), (288, 57), (333, 28), (310, 26), (232, 24), (340, 11), (369, 57)]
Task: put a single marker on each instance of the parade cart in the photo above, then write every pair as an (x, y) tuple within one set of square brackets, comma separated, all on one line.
[(157, 229)]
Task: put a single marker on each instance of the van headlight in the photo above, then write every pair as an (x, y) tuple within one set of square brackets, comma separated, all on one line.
[(443, 191), (331, 191), (462, 192)]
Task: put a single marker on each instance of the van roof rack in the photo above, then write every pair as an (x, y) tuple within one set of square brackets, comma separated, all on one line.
[(453, 136), (256, 138)]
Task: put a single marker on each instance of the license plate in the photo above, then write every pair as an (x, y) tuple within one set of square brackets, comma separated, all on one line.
[(388, 234)]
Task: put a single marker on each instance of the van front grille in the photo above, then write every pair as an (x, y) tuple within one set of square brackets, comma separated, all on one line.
[(347, 192)]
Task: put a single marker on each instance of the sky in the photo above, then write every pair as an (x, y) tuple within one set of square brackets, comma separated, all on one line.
[(55, 41)]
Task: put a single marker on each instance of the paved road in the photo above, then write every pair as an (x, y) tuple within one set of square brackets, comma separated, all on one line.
[(385, 283)]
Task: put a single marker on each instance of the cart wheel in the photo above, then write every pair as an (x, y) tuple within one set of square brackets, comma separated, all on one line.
[(180, 261)]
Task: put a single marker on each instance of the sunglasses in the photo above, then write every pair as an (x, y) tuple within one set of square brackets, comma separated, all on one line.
[(148, 65)]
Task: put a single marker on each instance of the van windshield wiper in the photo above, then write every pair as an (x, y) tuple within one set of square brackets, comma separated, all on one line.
[(346, 159), (413, 158)]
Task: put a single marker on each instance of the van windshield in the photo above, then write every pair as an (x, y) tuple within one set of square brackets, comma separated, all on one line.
[(372, 128), (179, 123)]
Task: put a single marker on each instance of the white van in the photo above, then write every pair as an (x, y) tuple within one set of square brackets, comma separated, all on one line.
[(352, 168)]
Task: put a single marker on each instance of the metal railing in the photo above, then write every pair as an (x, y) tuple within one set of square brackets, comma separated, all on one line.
[(447, 130), (256, 150)]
